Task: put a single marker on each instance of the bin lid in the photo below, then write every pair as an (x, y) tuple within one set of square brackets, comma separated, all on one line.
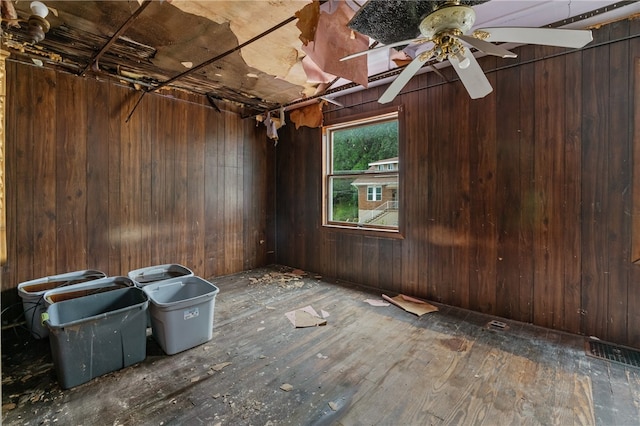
[(95, 307), (178, 290), (40, 285), (150, 274)]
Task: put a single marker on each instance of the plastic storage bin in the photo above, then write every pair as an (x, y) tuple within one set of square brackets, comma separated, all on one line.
[(32, 292), (181, 312), (97, 334), (60, 294), (151, 274)]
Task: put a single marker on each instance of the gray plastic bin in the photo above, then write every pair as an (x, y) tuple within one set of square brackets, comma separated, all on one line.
[(32, 293), (60, 294), (152, 274), (97, 334), (181, 312)]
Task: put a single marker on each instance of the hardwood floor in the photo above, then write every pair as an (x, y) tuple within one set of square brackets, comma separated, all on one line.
[(369, 365)]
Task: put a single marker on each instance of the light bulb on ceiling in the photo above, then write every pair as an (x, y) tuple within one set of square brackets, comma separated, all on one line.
[(39, 9), (463, 61), (38, 26)]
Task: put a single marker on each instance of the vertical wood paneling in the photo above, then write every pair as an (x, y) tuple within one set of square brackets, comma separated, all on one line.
[(370, 256), (9, 270), (171, 138), (482, 194), (422, 188), (130, 185), (443, 175), (463, 125), (633, 333), (157, 177), (114, 162), (98, 176), (180, 199), (549, 174), (516, 205), (618, 185), (508, 193), (44, 174), (23, 136), (71, 173), (285, 208), (196, 184), (571, 311), (249, 170), (307, 157), (88, 189), (433, 223), (411, 114), (595, 146), (147, 219), (211, 194), (526, 185)]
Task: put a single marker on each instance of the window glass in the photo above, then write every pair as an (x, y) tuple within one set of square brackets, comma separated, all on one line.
[(374, 193), (362, 173)]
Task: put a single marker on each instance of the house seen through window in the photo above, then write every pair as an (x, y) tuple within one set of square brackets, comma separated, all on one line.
[(362, 173)]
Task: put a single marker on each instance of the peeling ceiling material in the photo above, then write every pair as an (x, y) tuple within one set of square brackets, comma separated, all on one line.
[(334, 40), (253, 52), (164, 36), (280, 59), (309, 116), (308, 22)]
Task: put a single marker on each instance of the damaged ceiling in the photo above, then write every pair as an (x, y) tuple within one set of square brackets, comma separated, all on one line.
[(261, 54)]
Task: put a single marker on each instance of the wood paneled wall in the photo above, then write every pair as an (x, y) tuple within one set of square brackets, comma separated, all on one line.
[(517, 204), (178, 183)]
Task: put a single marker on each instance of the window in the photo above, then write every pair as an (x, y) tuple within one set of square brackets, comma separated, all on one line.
[(374, 193), (362, 173)]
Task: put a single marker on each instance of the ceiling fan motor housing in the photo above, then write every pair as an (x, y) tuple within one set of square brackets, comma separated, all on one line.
[(455, 17)]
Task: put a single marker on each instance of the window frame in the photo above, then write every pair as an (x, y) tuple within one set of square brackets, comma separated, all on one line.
[(374, 190), (384, 114)]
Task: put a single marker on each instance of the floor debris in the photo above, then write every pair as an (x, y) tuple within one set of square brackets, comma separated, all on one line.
[(307, 317), (282, 279), (411, 304), (286, 387), (220, 366), (377, 302), (333, 406)]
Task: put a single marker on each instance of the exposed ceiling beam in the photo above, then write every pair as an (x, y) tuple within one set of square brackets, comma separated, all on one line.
[(94, 60)]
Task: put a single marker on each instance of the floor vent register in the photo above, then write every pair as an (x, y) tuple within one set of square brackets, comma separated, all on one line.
[(614, 353)]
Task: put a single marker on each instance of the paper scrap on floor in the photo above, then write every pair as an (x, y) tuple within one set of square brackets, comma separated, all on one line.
[(306, 317), (411, 304), (377, 302)]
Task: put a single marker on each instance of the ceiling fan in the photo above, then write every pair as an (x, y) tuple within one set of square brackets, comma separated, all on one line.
[(447, 28)]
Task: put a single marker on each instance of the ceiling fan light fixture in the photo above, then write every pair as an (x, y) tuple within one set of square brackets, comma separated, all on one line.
[(463, 61), (39, 9), (37, 24), (452, 17)]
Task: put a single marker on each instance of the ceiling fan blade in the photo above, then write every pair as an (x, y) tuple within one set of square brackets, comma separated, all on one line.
[(486, 47), (376, 49), (472, 76), (544, 36), (402, 79)]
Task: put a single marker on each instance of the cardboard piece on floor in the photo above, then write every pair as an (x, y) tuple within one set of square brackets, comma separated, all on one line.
[(411, 304), (305, 317)]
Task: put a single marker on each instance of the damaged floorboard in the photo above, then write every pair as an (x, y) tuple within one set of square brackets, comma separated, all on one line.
[(368, 365)]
